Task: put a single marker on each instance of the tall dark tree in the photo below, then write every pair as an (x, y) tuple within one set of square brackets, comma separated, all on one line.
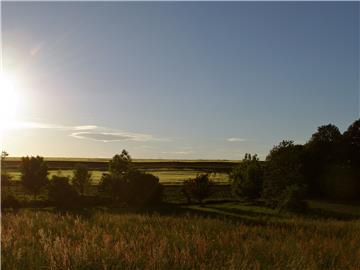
[(351, 139), (33, 174), (283, 169), (322, 152)]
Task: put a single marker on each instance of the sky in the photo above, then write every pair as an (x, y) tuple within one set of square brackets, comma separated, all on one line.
[(182, 80)]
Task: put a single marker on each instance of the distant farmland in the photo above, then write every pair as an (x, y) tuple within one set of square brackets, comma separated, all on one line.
[(168, 171)]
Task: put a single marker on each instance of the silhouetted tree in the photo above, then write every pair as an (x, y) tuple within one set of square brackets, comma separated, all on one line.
[(351, 139), (61, 193), (33, 174), (120, 164), (81, 179), (247, 178), (323, 152), (198, 188), (283, 169), (128, 185)]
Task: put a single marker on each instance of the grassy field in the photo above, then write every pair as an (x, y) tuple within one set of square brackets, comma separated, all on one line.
[(166, 176), (196, 238)]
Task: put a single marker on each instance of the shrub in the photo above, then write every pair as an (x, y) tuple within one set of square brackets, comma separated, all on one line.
[(135, 187), (115, 186), (198, 188), (33, 174), (61, 193), (293, 199), (247, 178), (144, 188), (81, 179), (9, 201)]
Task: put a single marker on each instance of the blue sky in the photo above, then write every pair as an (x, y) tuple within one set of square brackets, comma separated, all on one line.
[(178, 80)]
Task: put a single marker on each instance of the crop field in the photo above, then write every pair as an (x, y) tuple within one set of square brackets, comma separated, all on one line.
[(193, 239), (168, 171), (166, 176)]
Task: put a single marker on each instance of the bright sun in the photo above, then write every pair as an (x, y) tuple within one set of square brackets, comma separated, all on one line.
[(9, 100)]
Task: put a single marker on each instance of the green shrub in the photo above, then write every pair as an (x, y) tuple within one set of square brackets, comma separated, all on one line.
[(62, 194), (198, 188), (293, 199), (9, 201)]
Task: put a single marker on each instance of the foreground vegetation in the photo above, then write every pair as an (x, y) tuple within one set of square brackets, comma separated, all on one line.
[(105, 240)]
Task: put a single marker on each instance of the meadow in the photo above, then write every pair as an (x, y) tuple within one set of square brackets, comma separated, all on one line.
[(223, 232), (191, 239)]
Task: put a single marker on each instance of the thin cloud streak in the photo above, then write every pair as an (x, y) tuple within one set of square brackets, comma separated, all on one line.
[(37, 125), (93, 132), (236, 139), (113, 136)]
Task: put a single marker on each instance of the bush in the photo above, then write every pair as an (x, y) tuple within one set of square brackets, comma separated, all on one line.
[(62, 194), (198, 188), (9, 201), (247, 178), (114, 186), (292, 199), (144, 188), (135, 187)]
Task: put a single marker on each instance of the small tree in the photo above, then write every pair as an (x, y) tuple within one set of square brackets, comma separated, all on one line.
[(33, 174), (247, 178), (120, 164), (198, 188), (81, 179), (5, 177), (61, 193)]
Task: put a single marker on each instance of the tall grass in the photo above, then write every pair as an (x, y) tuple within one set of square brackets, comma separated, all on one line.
[(45, 240)]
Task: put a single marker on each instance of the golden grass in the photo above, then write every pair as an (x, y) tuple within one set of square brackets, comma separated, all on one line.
[(45, 240)]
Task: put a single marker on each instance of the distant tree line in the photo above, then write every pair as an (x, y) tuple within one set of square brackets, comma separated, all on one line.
[(328, 166), (123, 184)]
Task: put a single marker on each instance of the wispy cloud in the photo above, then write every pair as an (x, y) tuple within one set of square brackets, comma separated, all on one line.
[(113, 136), (181, 152), (234, 139), (92, 132), (37, 125)]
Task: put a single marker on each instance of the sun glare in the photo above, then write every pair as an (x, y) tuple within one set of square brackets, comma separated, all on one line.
[(9, 100)]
